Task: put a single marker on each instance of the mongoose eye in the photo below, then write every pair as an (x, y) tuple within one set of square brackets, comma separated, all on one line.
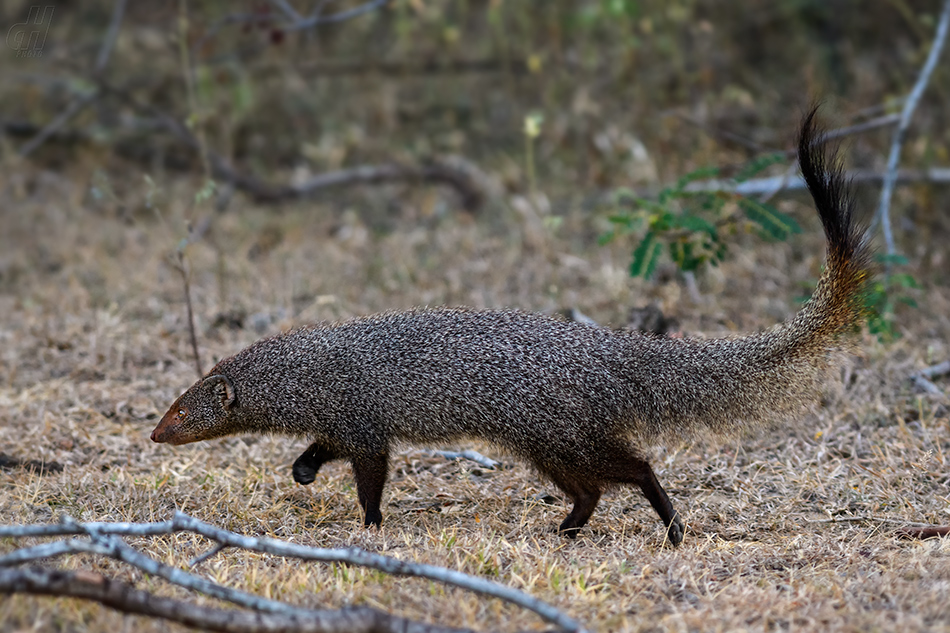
[(181, 414)]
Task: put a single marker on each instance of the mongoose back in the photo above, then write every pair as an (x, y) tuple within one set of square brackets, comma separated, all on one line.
[(580, 403)]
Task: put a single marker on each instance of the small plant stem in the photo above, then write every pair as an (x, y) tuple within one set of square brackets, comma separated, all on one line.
[(183, 269)]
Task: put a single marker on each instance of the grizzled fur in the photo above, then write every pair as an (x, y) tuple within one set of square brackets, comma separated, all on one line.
[(580, 403)]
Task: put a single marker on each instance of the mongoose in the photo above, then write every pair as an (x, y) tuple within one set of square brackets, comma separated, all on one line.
[(580, 403)]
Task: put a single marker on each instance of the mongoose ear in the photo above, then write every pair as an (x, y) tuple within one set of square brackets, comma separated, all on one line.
[(222, 388)]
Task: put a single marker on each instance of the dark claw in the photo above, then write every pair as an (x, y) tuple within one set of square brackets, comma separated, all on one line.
[(675, 531)]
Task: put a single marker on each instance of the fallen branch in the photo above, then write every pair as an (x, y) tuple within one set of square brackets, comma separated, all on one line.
[(890, 177), (103, 540), (8, 462), (261, 191), (934, 371), (125, 598), (921, 533), (471, 455), (922, 378), (756, 186), (81, 102), (821, 139)]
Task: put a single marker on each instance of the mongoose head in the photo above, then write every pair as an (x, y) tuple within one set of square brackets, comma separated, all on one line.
[(203, 412)]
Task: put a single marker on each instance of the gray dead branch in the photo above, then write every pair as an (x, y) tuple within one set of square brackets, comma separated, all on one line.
[(104, 539)]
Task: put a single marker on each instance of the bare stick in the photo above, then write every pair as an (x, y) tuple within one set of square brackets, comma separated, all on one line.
[(114, 547), (756, 186), (197, 560), (261, 191), (922, 378), (468, 454), (183, 270), (851, 130), (184, 522), (295, 22), (921, 533), (80, 103), (123, 597), (857, 128), (112, 34), (883, 213), (831, 135), (935, 370), (316, 18), (724, 135)]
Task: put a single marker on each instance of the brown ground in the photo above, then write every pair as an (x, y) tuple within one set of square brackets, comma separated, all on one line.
[(791, 529)]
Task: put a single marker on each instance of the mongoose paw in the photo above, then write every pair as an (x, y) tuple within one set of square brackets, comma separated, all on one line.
[(675, 531), (373, 520), (568, 529), (304, 473)]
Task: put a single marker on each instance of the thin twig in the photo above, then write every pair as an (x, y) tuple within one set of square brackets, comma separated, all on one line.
[(831, 135), (437, 172), (921, 533), (756, 186), (782, 184), (295, 22), (183, 270), (850, 130), (112, 34), (863, 519), (724, 135), (197, 560), (114, 547), (187, 72), (81, 102), (287, 9), (470, 455), (922, 378), (883, 214), (75, 107), (316, 18), (934, 371), (857, 128)]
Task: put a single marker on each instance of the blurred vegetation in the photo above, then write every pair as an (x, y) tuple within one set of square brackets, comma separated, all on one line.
[(625, 94)]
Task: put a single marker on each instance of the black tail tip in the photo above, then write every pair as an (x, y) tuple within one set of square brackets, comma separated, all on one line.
[(829, 188)]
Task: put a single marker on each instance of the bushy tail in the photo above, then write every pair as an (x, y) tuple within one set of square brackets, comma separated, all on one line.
[(838, 302), (725, 384)]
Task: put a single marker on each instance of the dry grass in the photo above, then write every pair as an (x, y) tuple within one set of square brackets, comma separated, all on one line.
[(787, 530)]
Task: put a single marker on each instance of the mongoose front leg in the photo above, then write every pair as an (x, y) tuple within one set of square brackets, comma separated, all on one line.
[(370, 473), (585, 500), (306, 467)]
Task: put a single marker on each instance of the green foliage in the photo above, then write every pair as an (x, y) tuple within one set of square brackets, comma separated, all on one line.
[(206, 192), (885, 295), (773, 224), (691, 224)]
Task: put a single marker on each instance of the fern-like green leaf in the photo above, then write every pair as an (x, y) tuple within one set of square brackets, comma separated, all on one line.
[(759, 164), (773, 222), (703, 173), (696, 223), (645, 256)]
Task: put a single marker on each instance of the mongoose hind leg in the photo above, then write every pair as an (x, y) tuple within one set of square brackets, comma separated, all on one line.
[(585, 497), (630, 469), (370, 473), (306, 467)]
